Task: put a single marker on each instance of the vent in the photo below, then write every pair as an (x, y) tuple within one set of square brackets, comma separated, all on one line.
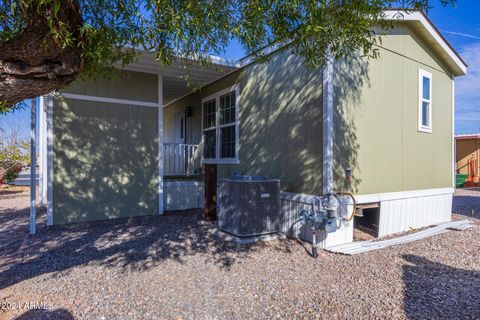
[(249, 206)]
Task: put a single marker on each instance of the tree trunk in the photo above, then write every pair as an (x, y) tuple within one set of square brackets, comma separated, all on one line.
[(35, 63)]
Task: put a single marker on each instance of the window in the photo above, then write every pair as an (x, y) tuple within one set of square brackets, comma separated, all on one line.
[(424, 101), (220, 127), (209, 129)]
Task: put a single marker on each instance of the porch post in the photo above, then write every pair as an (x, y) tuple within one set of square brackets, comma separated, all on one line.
[(41, 172), (43, 110), (210, 189), (49, 162), (160, 145), (33, 166)]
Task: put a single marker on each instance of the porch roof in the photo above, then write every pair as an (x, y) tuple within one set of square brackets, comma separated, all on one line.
[(174, 83)]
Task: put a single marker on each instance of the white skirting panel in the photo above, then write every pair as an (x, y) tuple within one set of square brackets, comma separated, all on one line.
[(182, 195), (343, 235), (399, 211), (400, 215)]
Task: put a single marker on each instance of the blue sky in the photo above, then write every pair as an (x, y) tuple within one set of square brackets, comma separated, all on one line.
[(460, 25)]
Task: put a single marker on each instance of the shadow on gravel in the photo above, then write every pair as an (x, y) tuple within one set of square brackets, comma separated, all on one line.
[(437, 291), (468, 206), (10, 192), (129, 244), (60, 314)]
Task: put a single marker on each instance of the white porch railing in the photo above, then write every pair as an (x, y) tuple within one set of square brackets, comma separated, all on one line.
[(179, 159)]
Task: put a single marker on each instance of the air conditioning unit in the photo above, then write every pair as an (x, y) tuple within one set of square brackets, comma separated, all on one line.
[(249, 206)]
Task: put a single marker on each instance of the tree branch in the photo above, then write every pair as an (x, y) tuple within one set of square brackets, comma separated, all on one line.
[(37, 62)]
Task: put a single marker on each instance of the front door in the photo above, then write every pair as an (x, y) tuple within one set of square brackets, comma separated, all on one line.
[(179, 128)]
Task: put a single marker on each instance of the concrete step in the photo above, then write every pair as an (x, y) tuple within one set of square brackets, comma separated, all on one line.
[(23, 179), (22, 182)]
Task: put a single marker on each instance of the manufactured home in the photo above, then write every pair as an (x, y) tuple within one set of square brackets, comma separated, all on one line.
[(380, 129)]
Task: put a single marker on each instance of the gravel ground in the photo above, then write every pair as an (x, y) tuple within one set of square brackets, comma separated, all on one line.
[(176, 267)]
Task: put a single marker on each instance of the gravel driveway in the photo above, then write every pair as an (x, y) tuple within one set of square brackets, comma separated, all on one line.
[(175, 267)]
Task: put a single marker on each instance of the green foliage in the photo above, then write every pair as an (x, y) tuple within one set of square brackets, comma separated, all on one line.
[(13, 156), (188, 29), (5, 108)]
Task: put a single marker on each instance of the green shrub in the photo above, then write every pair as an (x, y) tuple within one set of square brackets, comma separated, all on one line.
[(13, 156)]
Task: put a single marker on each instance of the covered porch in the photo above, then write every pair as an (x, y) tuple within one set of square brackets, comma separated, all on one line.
[(118, 125)]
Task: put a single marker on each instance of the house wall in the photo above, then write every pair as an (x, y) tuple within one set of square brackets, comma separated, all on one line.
[(280, 121), (127, 85), (466, 149), (376, 120), (106, 154)]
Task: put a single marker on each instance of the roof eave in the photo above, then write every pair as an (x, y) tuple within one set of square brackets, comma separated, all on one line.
[(455, 62)]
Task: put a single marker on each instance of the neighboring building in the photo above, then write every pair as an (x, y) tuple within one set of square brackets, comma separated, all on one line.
[(467, 156), (392, 132)]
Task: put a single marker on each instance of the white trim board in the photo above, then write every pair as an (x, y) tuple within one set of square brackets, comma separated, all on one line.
[(161, 204), (454, 146), (216, 96), (374, 197), (110, 100), (49, 160), (400, 15), (328, 129), (378, 197), (421, 127)]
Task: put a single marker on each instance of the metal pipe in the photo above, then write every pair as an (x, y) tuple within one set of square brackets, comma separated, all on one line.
[(318, 200), (314, 243)]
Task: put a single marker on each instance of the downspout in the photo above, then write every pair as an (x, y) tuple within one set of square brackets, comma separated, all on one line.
[(327, 180), (161, 155)]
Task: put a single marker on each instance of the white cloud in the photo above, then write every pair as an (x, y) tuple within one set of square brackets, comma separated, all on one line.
[(466, 35), (467, 91)]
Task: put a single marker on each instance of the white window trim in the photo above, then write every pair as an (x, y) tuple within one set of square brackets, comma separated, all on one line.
[(421, 127), (218, 126)]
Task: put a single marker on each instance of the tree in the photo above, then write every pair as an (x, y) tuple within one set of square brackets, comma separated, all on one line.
[(46, 44)]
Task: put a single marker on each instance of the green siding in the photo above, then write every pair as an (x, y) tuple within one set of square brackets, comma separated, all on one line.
[(127, 85), (280, 121), (403, 41), (375, 117), (105, 161), (390, 154)]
